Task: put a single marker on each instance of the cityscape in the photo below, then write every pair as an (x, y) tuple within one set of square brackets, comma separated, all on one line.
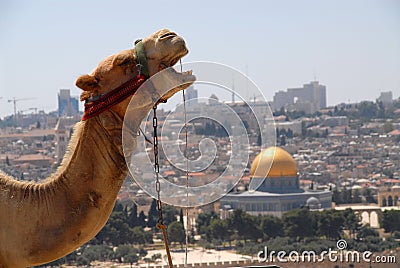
[(337, 165)]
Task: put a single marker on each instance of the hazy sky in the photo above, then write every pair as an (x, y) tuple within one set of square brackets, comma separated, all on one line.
[(352, 47)]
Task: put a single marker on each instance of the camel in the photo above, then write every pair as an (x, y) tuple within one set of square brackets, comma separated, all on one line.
[(42, 222)]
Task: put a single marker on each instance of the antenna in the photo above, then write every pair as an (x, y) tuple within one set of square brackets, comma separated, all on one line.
[(315, 74), (233, 89), (247, 82)]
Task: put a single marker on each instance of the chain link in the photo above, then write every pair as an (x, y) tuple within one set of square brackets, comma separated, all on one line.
[(157, 166)]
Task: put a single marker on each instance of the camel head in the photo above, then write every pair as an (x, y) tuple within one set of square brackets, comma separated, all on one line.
[(162, 49)]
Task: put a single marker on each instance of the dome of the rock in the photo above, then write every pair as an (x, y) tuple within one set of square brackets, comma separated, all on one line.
[(273, 162)]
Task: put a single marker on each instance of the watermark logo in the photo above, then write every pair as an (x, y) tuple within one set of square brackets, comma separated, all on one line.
[(227, 118), (340, 254), (341, 244)]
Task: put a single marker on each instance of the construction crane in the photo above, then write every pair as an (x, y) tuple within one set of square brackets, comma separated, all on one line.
[(15, 100)]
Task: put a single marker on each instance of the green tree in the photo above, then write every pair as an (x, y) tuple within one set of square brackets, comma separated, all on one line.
[(271, 226), (356, 196), (118, 207), (219, 229), (124, 250), (82, 261), (97, 252), (176, 232), (351, 221), (131, 258), (366, 231), (390, 220), (116, 231), (299, 223), (253, 230), (152, 217), (367, 109), (387, 127), (330, 224), (236, 222), (142, 219), (181, 216), (246, 226), (133, 217), (140, 236), (388, 172), (169, 213), (203, 221)]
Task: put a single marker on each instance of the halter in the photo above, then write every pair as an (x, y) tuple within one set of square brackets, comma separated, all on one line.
[(98, 104)]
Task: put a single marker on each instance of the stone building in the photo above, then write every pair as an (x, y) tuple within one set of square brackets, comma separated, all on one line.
[(274, 188)]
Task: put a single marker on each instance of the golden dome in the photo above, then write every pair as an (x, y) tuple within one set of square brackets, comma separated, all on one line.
[(273, 162)]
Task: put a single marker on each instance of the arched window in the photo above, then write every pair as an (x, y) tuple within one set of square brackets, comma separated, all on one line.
[(390, 201), (384, 204)]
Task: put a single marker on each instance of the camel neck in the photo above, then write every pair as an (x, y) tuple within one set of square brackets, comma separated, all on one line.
[(48, 220)]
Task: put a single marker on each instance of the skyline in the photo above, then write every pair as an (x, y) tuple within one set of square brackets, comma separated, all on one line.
[(351, 47)]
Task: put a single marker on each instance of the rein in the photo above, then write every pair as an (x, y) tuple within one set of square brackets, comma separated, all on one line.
[(98, 104), (113, 97)]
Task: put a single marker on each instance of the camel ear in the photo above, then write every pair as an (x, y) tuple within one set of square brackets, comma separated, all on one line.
[(87, 83)]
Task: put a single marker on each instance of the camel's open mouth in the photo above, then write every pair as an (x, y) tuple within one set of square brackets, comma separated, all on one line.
[(184, 77)]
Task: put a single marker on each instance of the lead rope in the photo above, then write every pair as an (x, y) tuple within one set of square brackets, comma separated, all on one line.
[(160, 223), (187, 176)]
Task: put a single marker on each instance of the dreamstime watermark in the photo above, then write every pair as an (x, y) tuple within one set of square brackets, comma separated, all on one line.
[(339, 254), (225, 120)]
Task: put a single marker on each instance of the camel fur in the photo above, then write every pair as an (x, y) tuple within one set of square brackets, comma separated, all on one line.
[(42, 222)]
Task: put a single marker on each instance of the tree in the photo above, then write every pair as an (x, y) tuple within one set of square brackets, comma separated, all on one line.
[(282, 140), (259, 139), (271, 226), (219, 229), (169, 214), (131, 258), (181, 216), (387, 127), (118, 207), (140, 236), (125, 250), (366, 231), (176, 232), (133, 217), (116, 231), (330, 224), (153, 214), (356, 197), (367, 109), (97, 252), (299, 223), (236, 222), (289, 133), (253, 230), (245, 225), (142, 219), (390, 220), (351, 221)]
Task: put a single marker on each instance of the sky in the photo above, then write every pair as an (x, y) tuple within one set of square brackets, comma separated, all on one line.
[(351, 47)]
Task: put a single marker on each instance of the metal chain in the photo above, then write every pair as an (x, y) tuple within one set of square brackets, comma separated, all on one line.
[(156, 165), (160, 223)]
